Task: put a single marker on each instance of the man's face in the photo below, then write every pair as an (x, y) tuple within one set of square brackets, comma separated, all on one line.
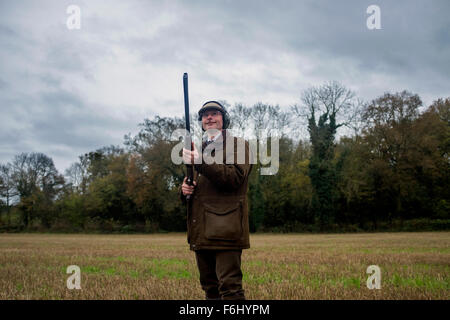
[(212, 119)]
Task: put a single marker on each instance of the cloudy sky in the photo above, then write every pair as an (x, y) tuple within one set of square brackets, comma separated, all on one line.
[(67, 92)]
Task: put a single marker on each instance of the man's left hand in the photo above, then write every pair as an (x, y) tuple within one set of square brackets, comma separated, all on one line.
[(191, 157)]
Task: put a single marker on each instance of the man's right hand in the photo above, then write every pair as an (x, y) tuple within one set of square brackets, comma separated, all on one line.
[(187, 189)]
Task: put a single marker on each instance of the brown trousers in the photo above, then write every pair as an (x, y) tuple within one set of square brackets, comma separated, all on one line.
[(220, 274)]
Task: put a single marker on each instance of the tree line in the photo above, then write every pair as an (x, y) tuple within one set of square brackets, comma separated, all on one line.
[(344, 165)]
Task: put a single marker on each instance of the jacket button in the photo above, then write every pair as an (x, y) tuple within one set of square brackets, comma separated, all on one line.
[(193, 220)]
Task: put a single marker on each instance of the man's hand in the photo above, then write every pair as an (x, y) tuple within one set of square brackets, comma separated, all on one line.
[(191, 157), (187, 189)]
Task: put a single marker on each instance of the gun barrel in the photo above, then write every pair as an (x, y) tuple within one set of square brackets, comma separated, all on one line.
[(187, 140)]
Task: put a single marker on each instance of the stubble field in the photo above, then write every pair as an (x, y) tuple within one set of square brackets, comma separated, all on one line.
[(292, 266)]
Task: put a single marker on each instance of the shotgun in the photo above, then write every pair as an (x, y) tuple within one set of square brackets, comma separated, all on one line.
[(187, 140)]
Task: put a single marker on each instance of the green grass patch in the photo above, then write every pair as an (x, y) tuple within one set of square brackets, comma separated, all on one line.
[(133, 274), (169, 268), (351, 282), (420, 281), (90, 269)]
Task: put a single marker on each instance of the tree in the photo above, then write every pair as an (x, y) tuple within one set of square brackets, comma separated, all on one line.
[(326, 108), (107, 194), (391, 139), (288, 193), (153, 179), (440, 109), (356, 186), (432, 129), (77, 176), (239, 118), (7, 190), (37, 183), (407, 154)]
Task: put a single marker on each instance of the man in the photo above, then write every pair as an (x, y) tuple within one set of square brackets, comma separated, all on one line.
[(217, 215)]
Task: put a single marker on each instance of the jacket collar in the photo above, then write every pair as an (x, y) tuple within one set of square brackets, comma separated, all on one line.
[(218, 142)]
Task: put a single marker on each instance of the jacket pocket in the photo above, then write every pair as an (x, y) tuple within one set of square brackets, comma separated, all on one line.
[(223, 222)]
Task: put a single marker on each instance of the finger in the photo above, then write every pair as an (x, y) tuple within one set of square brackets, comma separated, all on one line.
[(186, 159), (185, 186), (187, 156)]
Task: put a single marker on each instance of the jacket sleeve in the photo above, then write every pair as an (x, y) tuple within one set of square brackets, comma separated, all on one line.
[(227, 176)]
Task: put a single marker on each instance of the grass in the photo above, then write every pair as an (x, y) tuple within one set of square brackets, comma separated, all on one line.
[(289, 266)]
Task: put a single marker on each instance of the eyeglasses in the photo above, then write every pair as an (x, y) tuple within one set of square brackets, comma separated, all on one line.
[(208, 113)]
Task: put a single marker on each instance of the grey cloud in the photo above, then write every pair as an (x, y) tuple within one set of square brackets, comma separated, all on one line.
[(413, 43), (61, 119), (6, 31), (3, 84)]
